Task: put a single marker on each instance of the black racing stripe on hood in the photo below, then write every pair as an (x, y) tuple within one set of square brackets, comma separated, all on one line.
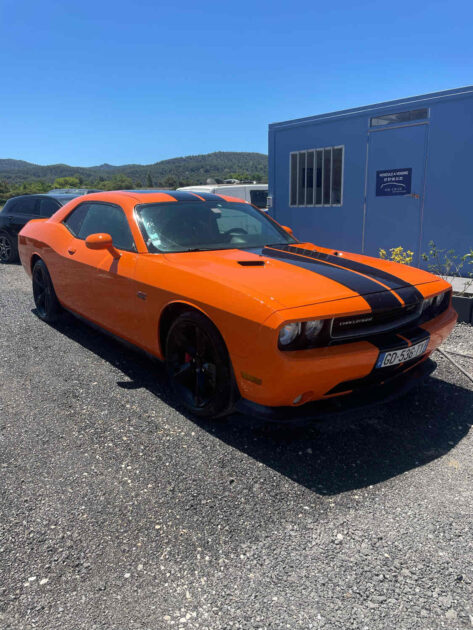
[(377, 297), (410, 294)]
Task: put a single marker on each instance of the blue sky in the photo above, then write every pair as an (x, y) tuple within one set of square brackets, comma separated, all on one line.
[(137, 82)]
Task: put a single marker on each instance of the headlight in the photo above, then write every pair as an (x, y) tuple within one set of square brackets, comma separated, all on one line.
[(427, 304), (288, 333), (313, 328)]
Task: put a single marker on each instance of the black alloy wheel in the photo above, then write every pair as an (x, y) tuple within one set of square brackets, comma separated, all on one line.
[(8, 250), (47, 305), (198, 366)]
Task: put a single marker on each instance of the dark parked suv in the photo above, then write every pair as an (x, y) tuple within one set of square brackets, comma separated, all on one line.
[(17, 212)]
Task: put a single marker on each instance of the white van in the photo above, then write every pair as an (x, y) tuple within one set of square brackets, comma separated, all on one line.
[(257, 194)]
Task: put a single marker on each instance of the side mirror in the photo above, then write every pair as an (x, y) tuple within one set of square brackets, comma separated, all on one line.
[(101, 241), (287, 229)]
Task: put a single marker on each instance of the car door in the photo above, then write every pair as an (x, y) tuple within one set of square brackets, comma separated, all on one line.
[(94, 283)]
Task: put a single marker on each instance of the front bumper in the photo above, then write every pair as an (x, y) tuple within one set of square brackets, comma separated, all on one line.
[(373, 395), (291, 379)]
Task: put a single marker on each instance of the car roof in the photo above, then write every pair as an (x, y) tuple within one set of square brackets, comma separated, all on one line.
[(161, 196), (62, 198)]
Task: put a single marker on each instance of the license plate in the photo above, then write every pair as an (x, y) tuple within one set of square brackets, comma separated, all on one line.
[(394, 357)]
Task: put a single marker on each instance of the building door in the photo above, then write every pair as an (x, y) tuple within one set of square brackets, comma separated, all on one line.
[(395, 189)]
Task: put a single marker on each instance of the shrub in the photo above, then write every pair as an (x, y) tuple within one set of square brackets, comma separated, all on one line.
[(441, 262), (398, 254), (445, 262)]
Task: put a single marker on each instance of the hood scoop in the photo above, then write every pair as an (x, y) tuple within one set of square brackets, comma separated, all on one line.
[(251, 263)]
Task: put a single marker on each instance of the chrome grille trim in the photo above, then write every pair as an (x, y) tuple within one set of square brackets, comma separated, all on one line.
[(382, 322)]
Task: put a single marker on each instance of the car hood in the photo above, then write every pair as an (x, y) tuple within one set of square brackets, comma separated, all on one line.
[(302, 274)]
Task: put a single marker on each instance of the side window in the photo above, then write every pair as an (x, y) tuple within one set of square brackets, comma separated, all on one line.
[(94, 218), (28, 205), (74, 220), (47, 207)]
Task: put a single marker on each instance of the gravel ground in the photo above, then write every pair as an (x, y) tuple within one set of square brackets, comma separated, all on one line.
[(118, 512)]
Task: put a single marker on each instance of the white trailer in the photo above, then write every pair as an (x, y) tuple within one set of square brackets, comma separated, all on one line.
[(256, 194)]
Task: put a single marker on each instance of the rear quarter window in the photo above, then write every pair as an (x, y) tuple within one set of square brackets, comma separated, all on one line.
[(74, 221)]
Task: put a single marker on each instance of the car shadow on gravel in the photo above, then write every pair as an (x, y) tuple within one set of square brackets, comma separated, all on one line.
[(339, 453)]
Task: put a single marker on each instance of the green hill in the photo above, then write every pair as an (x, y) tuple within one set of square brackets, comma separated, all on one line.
[(193, 169)]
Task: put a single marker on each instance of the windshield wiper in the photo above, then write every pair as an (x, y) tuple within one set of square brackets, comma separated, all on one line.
[(199, 249)]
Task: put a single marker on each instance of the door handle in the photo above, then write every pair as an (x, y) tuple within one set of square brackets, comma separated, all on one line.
[(415, 195), (71, 250)]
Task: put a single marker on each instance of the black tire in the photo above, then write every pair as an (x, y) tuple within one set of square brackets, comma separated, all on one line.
[(47, 304), (8, 248), (198, 366)]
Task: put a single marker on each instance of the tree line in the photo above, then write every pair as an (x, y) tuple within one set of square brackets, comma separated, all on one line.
[(116, 182), (19, 178)]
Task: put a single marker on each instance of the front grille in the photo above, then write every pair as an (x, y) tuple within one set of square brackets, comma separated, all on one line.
[(387, 320), (375, 322)]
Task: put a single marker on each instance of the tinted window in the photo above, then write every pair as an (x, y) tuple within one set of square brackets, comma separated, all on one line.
[(27, 205), (95, 218), (74, 220), (47, 207), (259, 198)]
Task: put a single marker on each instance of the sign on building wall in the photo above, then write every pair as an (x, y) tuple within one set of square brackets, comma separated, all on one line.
[(395, 182)]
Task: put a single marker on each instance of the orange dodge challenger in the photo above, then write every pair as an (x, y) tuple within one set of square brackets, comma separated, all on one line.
[(240, 311)]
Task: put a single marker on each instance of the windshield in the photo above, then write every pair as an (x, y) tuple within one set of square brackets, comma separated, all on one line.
[(188, 226)]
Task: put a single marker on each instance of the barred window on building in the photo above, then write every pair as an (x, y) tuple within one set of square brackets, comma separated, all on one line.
[(316, 177)]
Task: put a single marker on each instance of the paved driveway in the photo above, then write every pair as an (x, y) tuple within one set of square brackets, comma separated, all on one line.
[(118, 512)]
